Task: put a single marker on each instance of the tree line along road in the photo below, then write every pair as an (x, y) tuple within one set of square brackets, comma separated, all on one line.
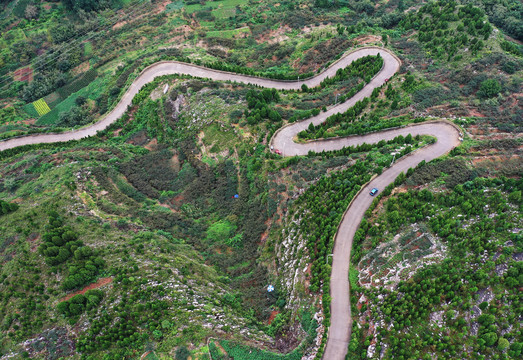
[(446, 133)]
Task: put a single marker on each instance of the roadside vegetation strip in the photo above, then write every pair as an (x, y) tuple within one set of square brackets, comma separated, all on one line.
[(391, 65), (41, 107)]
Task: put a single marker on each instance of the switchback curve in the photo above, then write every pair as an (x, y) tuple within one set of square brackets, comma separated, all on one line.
[(446, 133)]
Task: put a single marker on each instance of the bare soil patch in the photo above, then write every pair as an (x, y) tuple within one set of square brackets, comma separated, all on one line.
[(476, 113), (119, 24), (274, 36), (152, 145), (101, 282), (366, 39), (273, 316), (23, 74), (83, 67)]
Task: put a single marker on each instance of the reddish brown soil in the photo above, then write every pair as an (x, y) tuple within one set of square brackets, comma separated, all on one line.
[(83, 67), (34, 240), (117, 26), (161, 6), (273, 316), (167, 206), (362, 40), (29, 121), (101, 282), (23, 74), (152, 145), (474, 112), (221, 348)]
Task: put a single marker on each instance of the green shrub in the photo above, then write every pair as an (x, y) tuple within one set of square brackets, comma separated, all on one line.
[(489, 88)]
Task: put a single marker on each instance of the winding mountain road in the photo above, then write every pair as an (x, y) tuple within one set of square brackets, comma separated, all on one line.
[(446, 133)]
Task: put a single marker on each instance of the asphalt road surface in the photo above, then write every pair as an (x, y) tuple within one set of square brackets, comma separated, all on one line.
[(447, 136)]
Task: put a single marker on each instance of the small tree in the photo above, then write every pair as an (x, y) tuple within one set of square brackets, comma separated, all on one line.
[(182, 353), (31, 12), (489, 88), (502, 344), (304, 88)]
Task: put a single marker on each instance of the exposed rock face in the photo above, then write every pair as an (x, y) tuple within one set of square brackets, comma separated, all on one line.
[(176, 105)]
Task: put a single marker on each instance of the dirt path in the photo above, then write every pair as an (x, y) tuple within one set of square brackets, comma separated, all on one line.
[(447, 135), (101, 282)]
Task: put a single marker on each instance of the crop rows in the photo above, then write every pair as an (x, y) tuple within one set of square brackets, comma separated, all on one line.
[(41, 107)]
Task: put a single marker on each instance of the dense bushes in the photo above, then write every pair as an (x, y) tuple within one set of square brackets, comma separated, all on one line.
[(6, 207), (318, 131), (77, 84), (241, 352), (365, 67), (489, 88), (80, 303), (284, 75), (60, 244), (42, 85), (152, 173), (430, 96), (77, 115), (259, 103), (82, 272), (323, 215), (512, 48), (506, 14)]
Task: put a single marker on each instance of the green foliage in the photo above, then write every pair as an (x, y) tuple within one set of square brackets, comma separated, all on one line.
[(324, 213), (259, 103), (490, 338), (6, 207), (282, 75), (77, 115), (430, 96), (75, 306), (86, 5), (82, 273), (241, 352), (503, 344), (453, 284), (434, 21), (489, 88), (60, 243), (220, 231), (77, 84), (182, 353), (505, 14), (277, 324), (512, 48), (365, 68), (349, 124)]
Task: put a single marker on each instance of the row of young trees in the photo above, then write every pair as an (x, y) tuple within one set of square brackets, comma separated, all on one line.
[(365, 68), (319, 131)]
